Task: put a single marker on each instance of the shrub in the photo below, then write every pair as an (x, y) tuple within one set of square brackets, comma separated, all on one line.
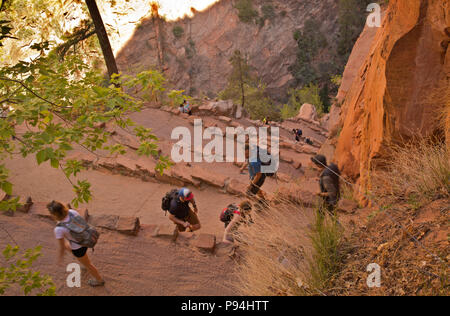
[(178, 31), (308, 94), (247, 13), (327, 256), (420, 167)]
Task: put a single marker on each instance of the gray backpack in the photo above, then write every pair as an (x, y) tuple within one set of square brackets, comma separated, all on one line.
[(81, 232)]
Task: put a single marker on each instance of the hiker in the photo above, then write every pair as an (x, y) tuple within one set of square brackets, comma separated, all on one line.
[(308, 141), (69, 221), (185, 107), (180, 212), (233, 217), (298, 134), (257, 178), (328, 181)]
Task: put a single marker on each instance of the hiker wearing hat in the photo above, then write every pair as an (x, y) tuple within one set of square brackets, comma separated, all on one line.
[(328, 181), (235, 217), (180, 212)]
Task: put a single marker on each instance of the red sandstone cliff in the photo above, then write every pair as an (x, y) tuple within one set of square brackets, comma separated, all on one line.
[(401, 87), (198, 61)]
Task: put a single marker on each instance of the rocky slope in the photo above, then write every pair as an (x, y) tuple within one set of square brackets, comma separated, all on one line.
[(198, 60), (401, 87)]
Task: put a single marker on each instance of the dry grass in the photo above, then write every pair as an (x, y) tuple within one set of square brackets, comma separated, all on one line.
[(420, 168), (274, 252), (286, 251)]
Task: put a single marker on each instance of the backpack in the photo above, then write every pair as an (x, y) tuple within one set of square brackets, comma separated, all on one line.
[(228, 212), (81, 232), (165, 204)]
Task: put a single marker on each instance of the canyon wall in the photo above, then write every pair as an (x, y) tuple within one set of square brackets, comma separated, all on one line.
[(198, 60), (402, 87)]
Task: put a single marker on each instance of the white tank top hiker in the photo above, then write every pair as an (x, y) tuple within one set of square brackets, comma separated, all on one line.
[(62, 232)]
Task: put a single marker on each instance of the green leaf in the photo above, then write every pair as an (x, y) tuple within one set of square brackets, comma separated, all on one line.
[(41, 156), (7, 187), (55, 163)]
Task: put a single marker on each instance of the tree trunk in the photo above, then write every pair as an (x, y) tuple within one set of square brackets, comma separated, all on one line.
[(102, 37)]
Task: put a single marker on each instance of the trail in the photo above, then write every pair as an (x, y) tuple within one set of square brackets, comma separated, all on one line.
[(141, 265)]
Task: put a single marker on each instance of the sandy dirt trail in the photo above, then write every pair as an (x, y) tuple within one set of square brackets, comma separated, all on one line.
[(140, 265)]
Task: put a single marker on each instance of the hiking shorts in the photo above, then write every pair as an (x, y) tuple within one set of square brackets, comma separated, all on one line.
[(79, 253), (192, 219), (255, 188)]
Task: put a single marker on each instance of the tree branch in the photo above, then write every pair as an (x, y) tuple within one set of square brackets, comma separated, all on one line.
[(78, 36)]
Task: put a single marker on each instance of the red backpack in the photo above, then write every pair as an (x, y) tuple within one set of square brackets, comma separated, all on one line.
[(228, 212)]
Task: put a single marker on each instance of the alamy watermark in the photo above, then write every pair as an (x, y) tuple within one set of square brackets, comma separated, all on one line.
[(374, 18), (74, 277), (374, 278), (262, 146)]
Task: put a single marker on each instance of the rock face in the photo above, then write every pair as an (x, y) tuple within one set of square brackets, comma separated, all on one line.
[(198, 61), (400, 86), (307, 112)]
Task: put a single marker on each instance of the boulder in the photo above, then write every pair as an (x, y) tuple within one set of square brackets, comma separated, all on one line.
[(104, 221), (208, 107), (208, 177), (146, 165), (169, 177), (107, 163), (307, 112), (236, 187), (126, 163), (165, 230), (128, 225), (205, 242), (287, 145), (128, 140), (86, 159), (223, 107), (225, 119), (235, 124), (296, 194)]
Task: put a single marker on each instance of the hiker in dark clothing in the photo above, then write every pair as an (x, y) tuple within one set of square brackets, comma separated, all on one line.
[(181, 214), (257, 178), (329, 182), (298, 134)]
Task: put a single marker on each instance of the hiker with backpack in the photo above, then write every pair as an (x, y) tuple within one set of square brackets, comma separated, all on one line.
[(257, 178), (75, 235), (177, 203), (328, 181), (233, 216), (185, 107), (298, 134)]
